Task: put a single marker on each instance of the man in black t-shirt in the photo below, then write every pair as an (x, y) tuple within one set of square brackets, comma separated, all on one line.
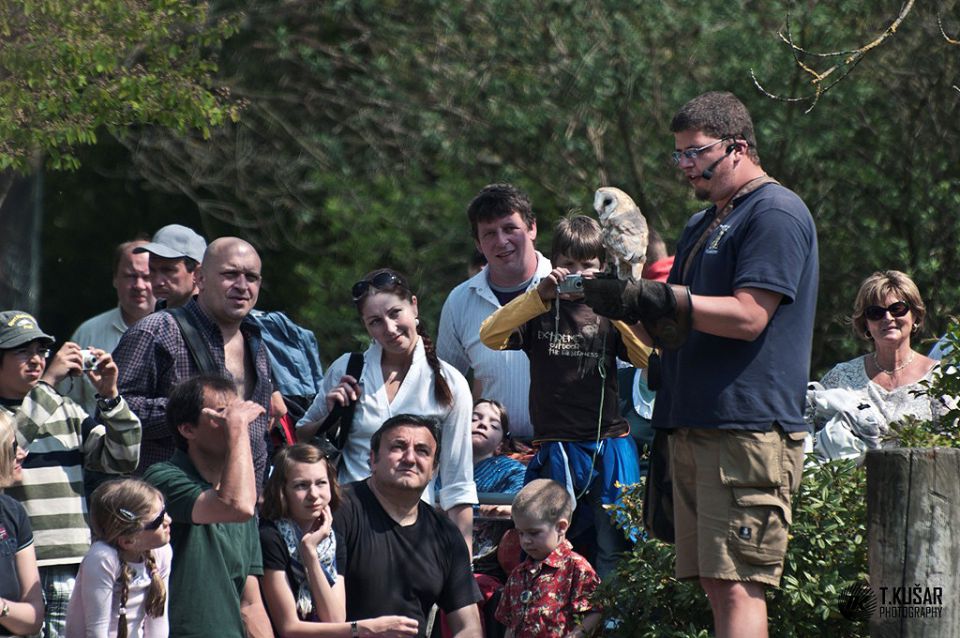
[(402, 557)]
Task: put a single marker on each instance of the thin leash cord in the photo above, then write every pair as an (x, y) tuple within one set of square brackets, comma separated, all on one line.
[(602, 369)]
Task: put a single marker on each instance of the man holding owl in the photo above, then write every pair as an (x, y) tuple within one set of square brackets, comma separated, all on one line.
[(734, 326)]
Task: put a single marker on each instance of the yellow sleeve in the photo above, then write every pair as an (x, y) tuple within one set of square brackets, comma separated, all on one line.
[(496, 329), (637, 351)]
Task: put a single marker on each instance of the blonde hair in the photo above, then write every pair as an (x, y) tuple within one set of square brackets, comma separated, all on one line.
[(8, 457), (875, 288), (545, 500), (118, 508)]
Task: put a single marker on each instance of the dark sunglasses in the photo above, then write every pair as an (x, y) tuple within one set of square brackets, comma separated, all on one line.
[(152, 525), (381, 280), (896, 309)]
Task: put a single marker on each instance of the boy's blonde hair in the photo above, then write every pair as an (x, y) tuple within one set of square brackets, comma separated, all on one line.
[(578, 237), (544, 500)]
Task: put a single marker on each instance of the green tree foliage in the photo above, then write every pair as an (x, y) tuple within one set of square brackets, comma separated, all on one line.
[(368, 126), (826, 554), (69, 68)]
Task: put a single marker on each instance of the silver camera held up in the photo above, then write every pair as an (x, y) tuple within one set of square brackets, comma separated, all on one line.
[(89, 359), (571, 284)]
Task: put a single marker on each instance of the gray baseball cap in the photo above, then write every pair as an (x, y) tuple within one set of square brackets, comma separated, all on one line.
[(175, 241), (17, 328)]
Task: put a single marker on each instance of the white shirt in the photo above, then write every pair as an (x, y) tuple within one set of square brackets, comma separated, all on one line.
[(94, 608), (504, 375), (415, 396), (103, 331)]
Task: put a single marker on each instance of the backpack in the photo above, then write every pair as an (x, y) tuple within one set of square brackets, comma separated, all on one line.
[(294, 360)]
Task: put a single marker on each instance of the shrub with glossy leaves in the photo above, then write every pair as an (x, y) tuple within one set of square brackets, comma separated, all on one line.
[(827, 553)]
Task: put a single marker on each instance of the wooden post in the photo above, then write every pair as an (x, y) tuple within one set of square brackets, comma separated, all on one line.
[(913, 529)]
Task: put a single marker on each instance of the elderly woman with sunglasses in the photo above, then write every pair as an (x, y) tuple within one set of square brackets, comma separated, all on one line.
[(888, 312), (401, 375)]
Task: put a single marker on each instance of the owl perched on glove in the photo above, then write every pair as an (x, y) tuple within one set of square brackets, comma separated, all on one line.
[(624, 232)]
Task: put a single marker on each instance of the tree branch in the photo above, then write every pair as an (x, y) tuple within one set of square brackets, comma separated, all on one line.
[(842, 68)]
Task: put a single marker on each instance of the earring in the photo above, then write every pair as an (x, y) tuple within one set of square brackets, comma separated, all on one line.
[(866, 333), (916, 328), (417, 319)]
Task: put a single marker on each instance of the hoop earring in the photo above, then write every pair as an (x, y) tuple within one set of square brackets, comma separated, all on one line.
[(866, 333)]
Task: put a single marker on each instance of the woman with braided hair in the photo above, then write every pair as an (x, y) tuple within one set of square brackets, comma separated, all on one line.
[(121, 588), (401, 375)]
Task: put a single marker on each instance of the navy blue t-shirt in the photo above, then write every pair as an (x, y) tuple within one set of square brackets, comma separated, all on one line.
[(15, 535), (768, 241)]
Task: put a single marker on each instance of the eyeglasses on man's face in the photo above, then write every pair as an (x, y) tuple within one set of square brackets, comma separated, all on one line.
[(692, 153), (27, 353)]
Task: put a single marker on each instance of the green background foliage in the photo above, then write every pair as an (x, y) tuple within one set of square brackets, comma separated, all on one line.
[(366, 127), (827, 552)]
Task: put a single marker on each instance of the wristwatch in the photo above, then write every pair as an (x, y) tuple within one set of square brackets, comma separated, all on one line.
[(106, 405), (5, 610), (354, 630)]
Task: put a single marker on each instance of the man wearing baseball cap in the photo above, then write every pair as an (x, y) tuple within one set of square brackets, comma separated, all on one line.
[(175, 253), (63, 442)]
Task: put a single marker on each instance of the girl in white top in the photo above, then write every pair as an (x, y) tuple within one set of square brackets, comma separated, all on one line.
[(121, 588), (401, 375)]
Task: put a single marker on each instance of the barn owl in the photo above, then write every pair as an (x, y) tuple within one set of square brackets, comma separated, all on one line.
[(624, 232)]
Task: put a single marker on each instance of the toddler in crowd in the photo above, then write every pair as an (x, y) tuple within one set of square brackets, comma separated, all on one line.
[(548, 594), (574, 403), (121, 588)]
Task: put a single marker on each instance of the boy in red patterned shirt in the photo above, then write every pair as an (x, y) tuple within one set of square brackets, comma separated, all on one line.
[(547, 595)]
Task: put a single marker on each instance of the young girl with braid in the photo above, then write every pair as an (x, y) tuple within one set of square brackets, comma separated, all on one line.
[(401, 375), (121, 588)]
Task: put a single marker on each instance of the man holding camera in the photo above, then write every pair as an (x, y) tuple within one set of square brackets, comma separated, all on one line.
[(62, 442)]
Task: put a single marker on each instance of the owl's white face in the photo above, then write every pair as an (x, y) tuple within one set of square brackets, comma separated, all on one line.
[(605, 203)]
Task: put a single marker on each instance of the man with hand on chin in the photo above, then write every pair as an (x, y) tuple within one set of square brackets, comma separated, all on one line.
[(63, 442), (734, 324), (402, 556)]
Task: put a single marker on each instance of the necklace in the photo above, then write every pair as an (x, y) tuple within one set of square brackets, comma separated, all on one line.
[(900, 367)]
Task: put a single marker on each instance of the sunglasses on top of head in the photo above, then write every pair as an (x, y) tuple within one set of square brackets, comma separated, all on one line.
[(896, 309), (378, 281)]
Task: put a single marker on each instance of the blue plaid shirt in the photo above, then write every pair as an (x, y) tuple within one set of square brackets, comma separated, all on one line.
[(153, 357)]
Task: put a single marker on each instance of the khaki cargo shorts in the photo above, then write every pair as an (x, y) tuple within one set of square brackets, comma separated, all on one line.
[(731, 501)]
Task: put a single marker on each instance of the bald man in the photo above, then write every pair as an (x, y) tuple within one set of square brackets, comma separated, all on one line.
[(153, 355)]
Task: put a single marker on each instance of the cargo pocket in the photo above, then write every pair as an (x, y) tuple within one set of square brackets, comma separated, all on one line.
[(758, 527), (751, 459)]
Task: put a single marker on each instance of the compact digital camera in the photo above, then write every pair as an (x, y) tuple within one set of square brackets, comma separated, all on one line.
[(571, 284), (89, 359)]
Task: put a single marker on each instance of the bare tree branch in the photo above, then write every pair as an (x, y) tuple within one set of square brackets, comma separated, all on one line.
[(842, 68)]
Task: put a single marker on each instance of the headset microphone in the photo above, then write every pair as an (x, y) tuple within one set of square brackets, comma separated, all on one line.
[(708, 171)]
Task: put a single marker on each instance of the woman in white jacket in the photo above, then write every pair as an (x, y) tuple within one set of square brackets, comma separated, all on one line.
[(401, 375)]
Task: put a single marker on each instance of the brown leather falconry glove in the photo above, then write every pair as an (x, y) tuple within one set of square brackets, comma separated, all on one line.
[(663, 309)]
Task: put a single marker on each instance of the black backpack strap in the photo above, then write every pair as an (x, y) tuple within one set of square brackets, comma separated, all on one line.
[(354, 369), (198, 350)]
